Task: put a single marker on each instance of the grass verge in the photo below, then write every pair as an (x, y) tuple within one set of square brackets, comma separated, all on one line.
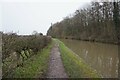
[(74, 65), (36, 66)]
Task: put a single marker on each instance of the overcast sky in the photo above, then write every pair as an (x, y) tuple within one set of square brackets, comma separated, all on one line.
[(25, 16)]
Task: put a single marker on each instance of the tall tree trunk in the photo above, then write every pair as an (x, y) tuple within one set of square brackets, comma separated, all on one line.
[(116, 19), (117, 25)]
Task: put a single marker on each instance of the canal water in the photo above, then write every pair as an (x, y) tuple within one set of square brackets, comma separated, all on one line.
[(100, 56)]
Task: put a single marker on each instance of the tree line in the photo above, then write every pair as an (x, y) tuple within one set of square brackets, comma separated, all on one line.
[(99, 21)]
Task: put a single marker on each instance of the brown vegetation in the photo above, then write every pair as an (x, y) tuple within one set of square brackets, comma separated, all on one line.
[(17, 48), (98, 22)]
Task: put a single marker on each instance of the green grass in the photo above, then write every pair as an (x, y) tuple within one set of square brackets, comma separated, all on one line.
[(36, 66), (74, 65)]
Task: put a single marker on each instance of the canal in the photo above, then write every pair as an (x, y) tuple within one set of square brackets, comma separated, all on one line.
[(100, 56)]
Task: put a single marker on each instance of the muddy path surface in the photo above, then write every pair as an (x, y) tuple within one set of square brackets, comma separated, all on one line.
[(56, 68)]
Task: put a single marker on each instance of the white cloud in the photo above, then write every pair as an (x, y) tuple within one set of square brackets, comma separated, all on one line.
[(26, 17), (46, 0)]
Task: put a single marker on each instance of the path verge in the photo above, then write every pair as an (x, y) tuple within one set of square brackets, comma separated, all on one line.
[(56, 68), (74, 65)]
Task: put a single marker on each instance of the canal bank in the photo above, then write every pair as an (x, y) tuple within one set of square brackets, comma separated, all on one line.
[(74, 65), (100, 56)]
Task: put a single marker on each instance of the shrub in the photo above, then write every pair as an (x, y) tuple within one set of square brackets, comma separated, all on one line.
[(24, 46)]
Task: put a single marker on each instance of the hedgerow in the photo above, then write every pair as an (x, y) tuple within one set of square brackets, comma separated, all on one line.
[(17, 48)]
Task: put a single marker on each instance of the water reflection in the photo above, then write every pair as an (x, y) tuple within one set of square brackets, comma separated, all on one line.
[(102, 57)]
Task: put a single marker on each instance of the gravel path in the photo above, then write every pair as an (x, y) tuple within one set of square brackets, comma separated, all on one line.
[(56, 68)]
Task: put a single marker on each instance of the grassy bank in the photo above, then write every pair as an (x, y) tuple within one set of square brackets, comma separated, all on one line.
[(36, 66), (74, 65)]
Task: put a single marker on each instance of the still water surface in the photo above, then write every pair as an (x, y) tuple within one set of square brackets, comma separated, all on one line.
[(100, 56)]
